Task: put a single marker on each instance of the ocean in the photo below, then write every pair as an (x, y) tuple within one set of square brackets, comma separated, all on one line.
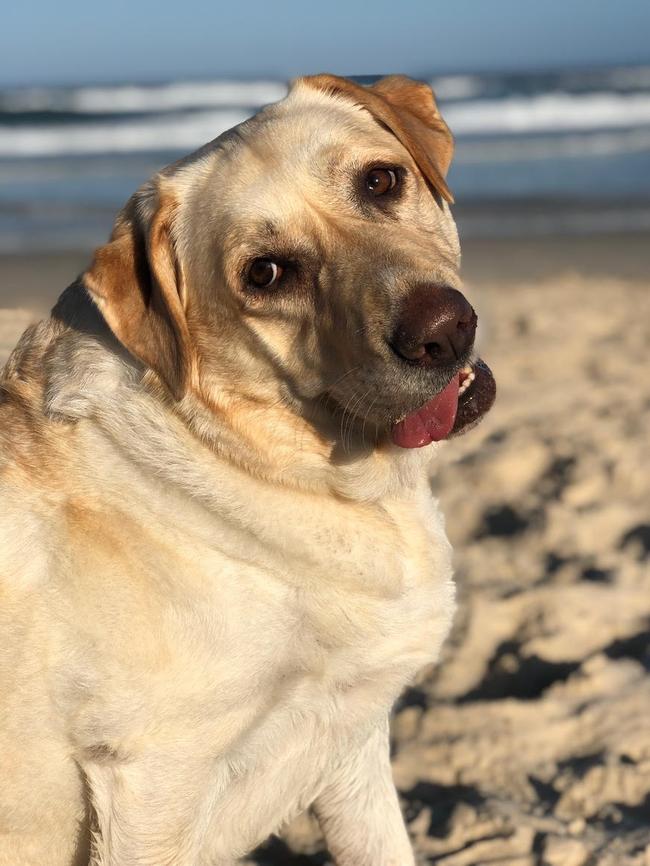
[(536, 153)]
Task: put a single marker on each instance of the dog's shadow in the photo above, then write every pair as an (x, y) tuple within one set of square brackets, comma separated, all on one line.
[(276, 853)]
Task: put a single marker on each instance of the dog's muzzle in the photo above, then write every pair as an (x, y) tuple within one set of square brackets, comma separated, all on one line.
[(435, 331)]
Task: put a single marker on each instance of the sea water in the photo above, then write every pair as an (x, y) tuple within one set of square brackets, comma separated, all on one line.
[(536, 152)]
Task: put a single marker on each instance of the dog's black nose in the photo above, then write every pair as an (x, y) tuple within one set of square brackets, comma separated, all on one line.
[(436, 326)]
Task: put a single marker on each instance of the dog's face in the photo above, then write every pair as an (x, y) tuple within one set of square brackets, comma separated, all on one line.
[(308, 255)]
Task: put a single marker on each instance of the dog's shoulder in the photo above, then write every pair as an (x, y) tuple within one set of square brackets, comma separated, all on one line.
[(23, 425)]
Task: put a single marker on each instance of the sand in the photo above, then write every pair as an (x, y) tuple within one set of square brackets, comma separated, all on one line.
[(529, 744)]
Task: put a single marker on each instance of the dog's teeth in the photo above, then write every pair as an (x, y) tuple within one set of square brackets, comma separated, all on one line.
[(469, 377)]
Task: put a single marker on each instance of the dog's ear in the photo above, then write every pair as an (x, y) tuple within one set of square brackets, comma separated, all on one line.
[(415, 103), (408, 109), (136, 282)]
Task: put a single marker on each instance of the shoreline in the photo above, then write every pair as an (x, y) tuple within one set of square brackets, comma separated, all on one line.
[(33, 281)]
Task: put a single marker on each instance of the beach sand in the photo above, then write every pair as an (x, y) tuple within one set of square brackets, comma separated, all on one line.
[(529, 743)]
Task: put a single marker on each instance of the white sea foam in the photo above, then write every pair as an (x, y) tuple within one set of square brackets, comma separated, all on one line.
[(126, 99), (179, 95), (517, 118), (550, 112), (159, 134)]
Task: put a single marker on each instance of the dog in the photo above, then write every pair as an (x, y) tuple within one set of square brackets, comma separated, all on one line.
[(220, 560)]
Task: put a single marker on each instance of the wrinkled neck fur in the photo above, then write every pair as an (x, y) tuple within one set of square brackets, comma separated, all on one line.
[(276, 441)]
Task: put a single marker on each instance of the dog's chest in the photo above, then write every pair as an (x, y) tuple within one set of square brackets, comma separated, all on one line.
[(339, 599), (336, 603), (326, 664), (338, 611), (269, 661)]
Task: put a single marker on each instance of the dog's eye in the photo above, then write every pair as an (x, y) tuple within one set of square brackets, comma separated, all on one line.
[(264, 273), (381, 180)]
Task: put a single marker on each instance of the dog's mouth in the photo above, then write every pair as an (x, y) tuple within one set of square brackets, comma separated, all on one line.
[(454, 410)]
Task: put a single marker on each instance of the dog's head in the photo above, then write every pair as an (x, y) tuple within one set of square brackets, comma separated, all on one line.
[(307, 257)]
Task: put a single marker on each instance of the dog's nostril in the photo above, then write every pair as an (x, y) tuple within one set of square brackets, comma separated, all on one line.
[(433, 350)]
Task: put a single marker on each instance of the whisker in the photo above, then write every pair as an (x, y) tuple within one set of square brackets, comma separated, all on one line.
[(352, 413), (344, 418), (341, 378), (365, 419), (349, 412)]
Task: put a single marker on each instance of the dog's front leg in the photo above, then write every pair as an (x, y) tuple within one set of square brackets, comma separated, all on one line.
[(359, 811), (147, 811)]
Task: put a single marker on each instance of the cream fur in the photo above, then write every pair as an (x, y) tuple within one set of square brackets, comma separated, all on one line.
[(206, 617)]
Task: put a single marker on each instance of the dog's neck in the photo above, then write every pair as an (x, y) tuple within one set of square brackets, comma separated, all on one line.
[(276, 442)]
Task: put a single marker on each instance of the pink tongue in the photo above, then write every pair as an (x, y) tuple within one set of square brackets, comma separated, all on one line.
[(433, 422)]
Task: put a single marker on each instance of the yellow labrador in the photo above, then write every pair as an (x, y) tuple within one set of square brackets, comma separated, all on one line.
[(220, 561)]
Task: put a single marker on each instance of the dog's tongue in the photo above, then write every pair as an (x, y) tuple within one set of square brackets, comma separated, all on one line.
[(433, 422)]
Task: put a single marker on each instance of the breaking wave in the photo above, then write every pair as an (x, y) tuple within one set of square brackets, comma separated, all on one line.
[(143, 99), (167, 133), (553, 112)]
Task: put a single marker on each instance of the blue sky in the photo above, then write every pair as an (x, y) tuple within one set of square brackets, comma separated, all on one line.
[(45, 41)]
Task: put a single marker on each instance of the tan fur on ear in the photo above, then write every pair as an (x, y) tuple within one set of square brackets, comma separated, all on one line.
[(134, 280), (408, 108)]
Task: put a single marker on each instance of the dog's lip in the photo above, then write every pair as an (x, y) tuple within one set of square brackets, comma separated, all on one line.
[(455, 409), (477, 398)]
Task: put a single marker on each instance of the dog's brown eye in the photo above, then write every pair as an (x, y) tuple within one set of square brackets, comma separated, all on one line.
[(381, 180), (264, 273)]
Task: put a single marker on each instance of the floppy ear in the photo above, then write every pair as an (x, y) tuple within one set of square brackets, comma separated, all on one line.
[(135, 281), (408, 109)]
